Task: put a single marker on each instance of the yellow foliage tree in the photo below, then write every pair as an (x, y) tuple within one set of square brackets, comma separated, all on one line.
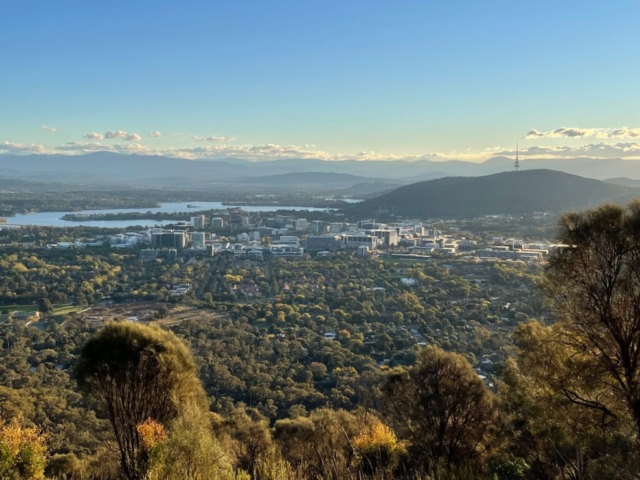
[(377, 448), (23, 451), (189, 451)]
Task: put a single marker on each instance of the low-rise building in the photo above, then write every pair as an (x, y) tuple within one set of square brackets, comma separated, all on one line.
[(355, 240), (337, 227), (286, 251), (288, 240), (169, 239), (329, 243), (148, 254), (506, 254)]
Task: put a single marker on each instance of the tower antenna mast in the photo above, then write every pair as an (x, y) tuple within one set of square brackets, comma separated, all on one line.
[(517, 164)]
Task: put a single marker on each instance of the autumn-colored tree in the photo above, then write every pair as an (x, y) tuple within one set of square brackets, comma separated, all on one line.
[(377, 449), (187, 450), (23, 451), (442, 409), (321, 444), (336, 444), (137, 373)]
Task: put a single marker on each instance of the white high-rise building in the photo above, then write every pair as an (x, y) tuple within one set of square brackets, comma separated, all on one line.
[(198, 221)]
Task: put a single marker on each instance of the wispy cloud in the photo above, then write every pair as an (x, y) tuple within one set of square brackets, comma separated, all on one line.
[(94, 136), (87, 147), (115, 134), (155, 134), (49, 129), (214, 138), (575, 132), (122, 135)]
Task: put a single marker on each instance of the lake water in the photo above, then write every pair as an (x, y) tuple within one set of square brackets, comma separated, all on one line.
[(54, 219)]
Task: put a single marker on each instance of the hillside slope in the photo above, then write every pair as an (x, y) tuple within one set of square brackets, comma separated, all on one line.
[(627, 182), (502, 193)]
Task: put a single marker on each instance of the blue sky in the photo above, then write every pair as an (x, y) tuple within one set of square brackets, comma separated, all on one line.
[(328, 79)]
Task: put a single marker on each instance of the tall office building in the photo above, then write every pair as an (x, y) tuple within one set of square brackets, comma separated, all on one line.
[(199, 239), (217, 222), (198, 221)]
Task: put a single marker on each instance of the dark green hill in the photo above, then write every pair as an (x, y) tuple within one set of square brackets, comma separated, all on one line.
[(503, 193)]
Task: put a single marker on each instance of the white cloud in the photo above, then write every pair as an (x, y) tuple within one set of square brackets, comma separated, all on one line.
[(265, 152), (625, 132), (214, 138), (155, 134), (122, 135), (94, 136), (575, 132), (49, 129), (627, 150), (21, 148)]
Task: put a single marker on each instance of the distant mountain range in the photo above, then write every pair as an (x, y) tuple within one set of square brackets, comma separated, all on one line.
[(113, 168), (502, 193), (627, 182), (316, 180)]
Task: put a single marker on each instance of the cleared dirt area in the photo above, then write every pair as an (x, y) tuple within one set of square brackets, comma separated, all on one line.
[(181, 313), (146, 312)]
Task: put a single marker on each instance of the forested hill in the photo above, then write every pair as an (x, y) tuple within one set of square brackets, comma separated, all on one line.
[(502, 193)]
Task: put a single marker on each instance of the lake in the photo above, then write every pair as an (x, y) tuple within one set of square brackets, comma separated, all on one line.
[(54, 219)]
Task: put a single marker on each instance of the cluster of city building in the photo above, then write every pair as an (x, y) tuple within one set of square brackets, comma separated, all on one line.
[(291, 237)]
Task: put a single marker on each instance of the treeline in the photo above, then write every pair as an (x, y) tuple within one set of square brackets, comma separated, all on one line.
[(86, 276), (176, 216)]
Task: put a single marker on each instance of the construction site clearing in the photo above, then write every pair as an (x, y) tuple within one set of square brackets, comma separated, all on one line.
[(146, 312)]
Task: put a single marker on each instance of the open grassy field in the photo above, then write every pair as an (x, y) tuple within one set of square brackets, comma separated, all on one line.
[(60, 308)]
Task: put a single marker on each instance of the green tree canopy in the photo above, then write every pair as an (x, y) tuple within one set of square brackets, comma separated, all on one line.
[(137, 373), (442, 408)]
